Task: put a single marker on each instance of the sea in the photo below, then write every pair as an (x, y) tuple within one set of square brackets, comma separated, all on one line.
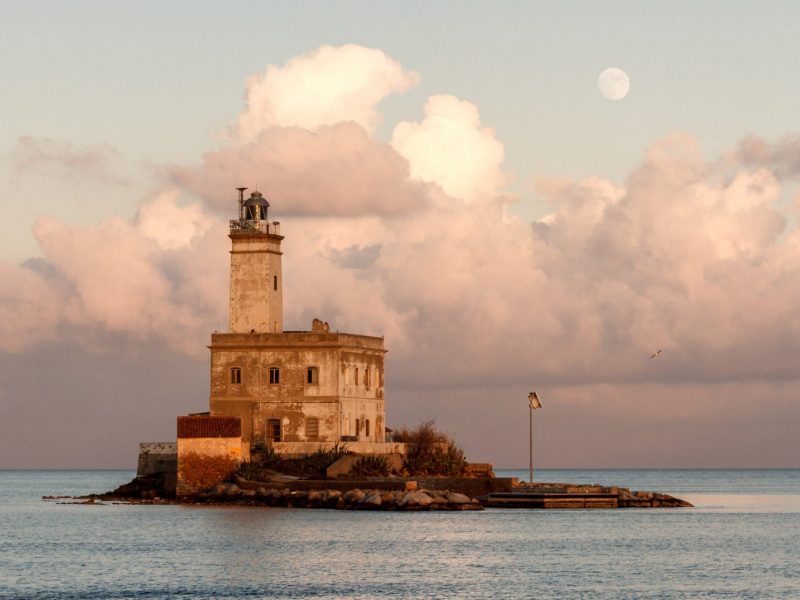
[(741, 540)]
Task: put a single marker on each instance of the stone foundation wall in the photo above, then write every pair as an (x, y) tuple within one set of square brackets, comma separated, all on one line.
[(298, 449), (159, 457), (470, 486)]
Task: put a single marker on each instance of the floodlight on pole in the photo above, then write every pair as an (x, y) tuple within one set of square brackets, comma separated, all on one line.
[(535, 403)]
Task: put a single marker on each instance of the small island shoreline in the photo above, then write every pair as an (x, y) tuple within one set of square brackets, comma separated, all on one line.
[(389, 494)]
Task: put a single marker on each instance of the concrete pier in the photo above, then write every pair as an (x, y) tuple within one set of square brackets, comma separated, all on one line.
[(550, 500)]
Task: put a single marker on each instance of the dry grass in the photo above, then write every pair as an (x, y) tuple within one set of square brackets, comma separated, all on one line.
[(426, 455)]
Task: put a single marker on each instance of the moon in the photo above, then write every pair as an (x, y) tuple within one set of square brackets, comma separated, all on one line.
[(613, 83)]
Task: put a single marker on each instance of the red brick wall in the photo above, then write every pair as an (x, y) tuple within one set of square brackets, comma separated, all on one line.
[(209, 427)]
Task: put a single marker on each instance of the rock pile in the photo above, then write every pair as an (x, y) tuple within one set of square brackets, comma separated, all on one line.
[(629, 499), (355, 499), (146, 487)]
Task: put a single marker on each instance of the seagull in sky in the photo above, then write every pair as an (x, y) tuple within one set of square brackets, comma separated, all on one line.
[(656, 353)]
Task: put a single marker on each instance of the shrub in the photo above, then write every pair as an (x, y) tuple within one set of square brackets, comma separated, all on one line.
[(425, 453), (269, 459), (371, 465), (251, 470), (316, 463)]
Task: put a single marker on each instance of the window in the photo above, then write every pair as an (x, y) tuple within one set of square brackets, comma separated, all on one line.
[(312, 428), (312, 376), (274, 430), (367, 378), (236, 375), (358, 427), (366, 428), (274, 375), (356, 381), (275, 282)]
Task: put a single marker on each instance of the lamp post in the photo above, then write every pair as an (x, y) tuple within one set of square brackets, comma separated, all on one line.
[(535, 403)]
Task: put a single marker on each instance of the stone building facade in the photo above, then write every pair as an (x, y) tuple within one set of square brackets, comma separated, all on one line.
[(288, 386)]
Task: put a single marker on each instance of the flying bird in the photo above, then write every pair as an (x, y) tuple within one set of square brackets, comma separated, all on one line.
[(656, 353)]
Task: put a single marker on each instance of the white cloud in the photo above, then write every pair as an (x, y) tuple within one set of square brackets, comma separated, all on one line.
[(324, 87), (451, 147)]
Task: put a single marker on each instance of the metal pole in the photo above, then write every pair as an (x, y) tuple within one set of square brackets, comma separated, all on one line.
[(530, 447)]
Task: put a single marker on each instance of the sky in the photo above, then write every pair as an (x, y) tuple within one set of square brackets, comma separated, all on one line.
[(447, 175)]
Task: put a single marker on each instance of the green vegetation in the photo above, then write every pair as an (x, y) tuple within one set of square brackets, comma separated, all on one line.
[(430, 452), (371, 465)]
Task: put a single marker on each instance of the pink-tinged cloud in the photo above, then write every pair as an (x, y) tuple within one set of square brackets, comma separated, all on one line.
[(135, 279), (782, 157), (681, 258), (30, 312), (32, 154), (688, 255), (335, 170), (324, 87)]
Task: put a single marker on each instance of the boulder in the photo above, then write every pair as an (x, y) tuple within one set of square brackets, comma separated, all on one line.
[(371, 500), (334, 496), (297, 498), (317, 498), (438, 503), (454, 498), (278, 497), (414, 500), (353, 496), (227, 489), (389, 499)]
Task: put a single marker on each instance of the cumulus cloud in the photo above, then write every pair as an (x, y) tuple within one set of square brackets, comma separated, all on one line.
[(324, 87), (403, 239), (119, 277), (677, 257), (683, 257), (450, 147), (336, 170)]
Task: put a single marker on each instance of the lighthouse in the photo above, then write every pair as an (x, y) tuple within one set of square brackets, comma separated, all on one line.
[(293, 391), (256, 285)]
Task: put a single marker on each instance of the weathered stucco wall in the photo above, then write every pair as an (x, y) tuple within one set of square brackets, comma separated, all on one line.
[(209, 451), (256, 288), (264, 379)]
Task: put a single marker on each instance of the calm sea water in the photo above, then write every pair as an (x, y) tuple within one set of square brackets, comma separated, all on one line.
[(741, 541)]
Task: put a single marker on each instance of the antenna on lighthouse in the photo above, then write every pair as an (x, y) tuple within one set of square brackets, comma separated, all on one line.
[(241, 203)]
